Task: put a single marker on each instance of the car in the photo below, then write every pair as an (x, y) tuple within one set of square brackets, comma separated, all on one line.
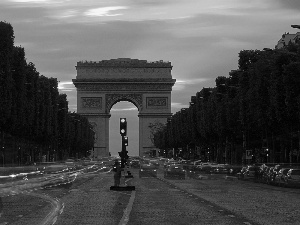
[(241, 174), (273, 173), (292, 178), (135, 163), (71, 164), (147, 170), (264, 174), (55, 174), (279, 178), (219, 169), (268, 175), (70, 161), (261, 171), (163, 159), (51, 167), (187, 164), (233, 170), (170, 162), (206, 167), (175, 171), (109, 163), (55, 169), (145, 161), (197, 162), (251, 172), (155, 162)]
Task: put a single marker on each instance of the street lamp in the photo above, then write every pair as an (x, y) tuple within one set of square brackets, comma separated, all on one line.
[(3, 156)]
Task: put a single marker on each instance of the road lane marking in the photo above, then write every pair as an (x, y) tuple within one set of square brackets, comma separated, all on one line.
[(56, 208), (128, 209)]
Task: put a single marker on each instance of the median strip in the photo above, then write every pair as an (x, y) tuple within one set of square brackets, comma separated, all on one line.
[(128, 209)]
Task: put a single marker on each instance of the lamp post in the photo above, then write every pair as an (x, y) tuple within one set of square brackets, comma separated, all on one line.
[(3, 148), (208, 155), (3, 156)]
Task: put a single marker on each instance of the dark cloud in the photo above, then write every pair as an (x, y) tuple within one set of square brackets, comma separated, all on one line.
[(289, 4)]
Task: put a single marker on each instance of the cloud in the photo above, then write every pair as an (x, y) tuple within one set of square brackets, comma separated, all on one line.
[(288, 4), (104, 11), (177, 106), (65, 14), (66, 86), (182, 84)]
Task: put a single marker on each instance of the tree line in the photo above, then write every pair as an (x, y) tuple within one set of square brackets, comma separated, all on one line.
[(256, 108), (35, 122)]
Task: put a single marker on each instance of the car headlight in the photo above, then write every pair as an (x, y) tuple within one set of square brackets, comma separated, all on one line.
[(142, 170)]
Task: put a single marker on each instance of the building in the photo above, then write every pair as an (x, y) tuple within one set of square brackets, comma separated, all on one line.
[(286, 38)]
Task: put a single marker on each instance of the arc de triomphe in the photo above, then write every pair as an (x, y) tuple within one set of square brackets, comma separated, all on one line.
[(102, 84)]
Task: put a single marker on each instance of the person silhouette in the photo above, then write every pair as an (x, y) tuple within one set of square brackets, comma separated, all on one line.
[(1, 207), (117, 173)]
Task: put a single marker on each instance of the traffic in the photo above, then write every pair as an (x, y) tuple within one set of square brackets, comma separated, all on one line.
[(47, 174), (283, 175), (14, 180)]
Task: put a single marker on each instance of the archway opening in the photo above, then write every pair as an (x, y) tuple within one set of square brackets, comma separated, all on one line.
[(128, 110)]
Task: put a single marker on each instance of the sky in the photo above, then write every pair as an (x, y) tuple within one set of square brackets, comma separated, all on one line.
[(201, 38)]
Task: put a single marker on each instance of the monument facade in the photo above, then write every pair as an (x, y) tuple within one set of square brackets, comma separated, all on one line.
[(102, 84)]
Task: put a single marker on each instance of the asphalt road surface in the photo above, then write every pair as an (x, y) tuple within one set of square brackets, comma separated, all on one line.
[(89, 200)]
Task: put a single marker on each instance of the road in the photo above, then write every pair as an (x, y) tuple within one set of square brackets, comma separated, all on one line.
[(155, 201)]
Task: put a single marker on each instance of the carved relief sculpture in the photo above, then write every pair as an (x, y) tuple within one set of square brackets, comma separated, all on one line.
[(92, 103), (154, 102), (94, 125)]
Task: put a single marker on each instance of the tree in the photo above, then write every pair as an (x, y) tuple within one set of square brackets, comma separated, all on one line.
[(6, 81)]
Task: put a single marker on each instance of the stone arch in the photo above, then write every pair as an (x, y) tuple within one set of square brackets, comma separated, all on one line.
[(102, 84), (112, 99)]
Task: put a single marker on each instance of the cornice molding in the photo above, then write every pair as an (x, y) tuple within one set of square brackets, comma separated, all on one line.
[(125, 63), (125, 80), (120, 87)]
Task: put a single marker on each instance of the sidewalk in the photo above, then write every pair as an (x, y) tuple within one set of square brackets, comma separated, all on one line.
[(254, 201)]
